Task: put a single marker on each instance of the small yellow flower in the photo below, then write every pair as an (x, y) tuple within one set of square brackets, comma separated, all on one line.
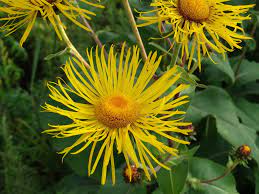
[(120, 108), (24, 13), (200, 25)]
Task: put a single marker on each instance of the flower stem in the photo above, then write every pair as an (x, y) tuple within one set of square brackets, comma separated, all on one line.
[(92, 32), (227, 171), (135, 29), (69, 44), (168, 39)]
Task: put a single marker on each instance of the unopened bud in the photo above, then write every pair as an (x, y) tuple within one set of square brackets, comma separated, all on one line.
[(243, 152)]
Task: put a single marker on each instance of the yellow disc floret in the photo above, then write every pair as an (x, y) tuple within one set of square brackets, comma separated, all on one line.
[(196, 10), (116, 111)]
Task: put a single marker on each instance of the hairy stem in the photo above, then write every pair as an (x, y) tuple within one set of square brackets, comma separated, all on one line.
[(69, 44), (135, 29)]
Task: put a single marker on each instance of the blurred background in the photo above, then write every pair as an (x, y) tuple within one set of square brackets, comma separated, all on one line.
[(225, 114)]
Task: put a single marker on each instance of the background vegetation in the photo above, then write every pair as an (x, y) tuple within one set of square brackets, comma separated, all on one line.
[(225, 114)]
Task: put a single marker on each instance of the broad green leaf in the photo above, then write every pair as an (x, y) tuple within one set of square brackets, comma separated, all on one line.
[(73, 184), (238, 134), (248, 113), (204, 169), (212, 145), (172, 182), (223, 65), (216, 102), (248, 72), (211, 101), (251, 88)]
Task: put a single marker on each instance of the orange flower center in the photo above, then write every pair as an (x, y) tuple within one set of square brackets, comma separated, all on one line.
[(195, 10), (116, 111)]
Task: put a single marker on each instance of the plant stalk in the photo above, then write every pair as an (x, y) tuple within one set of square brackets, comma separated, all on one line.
[(135, 29), (69, 44), (92, 32), (227, 171)]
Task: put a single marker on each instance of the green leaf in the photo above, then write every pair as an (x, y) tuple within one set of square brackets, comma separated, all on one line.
[(158, 191), (73, 184), (78, 162), (172, 182), (203, 169), (251, 88), (107, 36), (257, 181), (248, 113), (63, 52), (248, 72), (188, 78), (185, 154), (157, 46), (217, 102), (212, 145), (223, 65)]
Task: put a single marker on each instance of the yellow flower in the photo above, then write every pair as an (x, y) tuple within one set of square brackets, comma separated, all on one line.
[(200, 25), (24, 13), (120, 108)]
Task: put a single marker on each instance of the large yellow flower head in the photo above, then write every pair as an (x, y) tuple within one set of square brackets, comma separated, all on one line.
[(121, 109), (24, 13), (200, 25)]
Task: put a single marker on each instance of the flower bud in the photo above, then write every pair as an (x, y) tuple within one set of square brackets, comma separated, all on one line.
[(243, 151)]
